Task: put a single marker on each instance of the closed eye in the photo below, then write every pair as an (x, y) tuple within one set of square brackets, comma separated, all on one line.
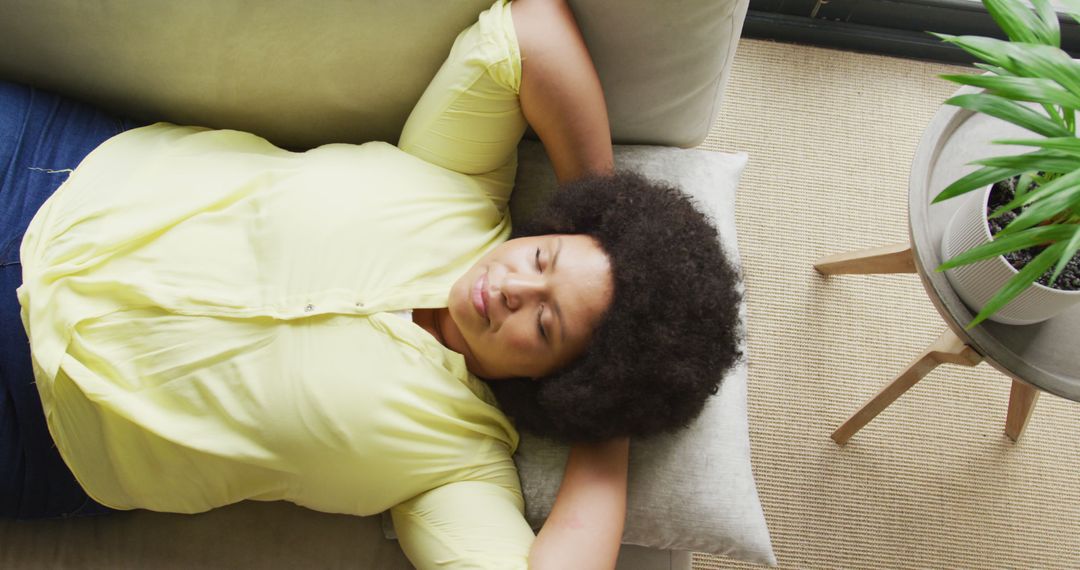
[(540, 323), (538, 268)]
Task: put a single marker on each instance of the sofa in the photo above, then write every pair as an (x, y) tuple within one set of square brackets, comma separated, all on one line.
[(303, 74)]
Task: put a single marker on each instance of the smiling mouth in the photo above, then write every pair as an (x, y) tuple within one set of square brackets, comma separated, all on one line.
[(479, 295)]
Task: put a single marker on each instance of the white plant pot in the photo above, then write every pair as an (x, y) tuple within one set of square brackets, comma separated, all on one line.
[(978, 282)]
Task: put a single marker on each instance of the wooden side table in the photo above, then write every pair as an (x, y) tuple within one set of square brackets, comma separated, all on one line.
[(1038, 357)]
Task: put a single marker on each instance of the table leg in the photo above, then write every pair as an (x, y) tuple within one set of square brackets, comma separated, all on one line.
[(947, 348), (1022, 400), (895, 258)]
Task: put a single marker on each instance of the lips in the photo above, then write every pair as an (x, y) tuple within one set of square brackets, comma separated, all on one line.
[(479, 296)]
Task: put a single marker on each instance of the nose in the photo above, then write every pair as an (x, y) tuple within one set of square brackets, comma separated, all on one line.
[(520, 289)]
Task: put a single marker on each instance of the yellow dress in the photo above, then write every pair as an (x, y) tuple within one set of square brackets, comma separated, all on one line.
[(212, 318)]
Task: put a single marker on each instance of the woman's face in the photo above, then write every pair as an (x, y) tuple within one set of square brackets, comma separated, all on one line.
[(529, 306)]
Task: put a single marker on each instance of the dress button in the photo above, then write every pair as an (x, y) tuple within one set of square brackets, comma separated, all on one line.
[(309, 308), (359, 305)]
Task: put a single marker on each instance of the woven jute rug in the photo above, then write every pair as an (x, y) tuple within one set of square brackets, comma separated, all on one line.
[(932, 482)]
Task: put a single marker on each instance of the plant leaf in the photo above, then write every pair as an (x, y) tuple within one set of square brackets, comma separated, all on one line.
[(1022, 59), (1016, 285), (1043, 190), (1072, 8), (1009, 111), (1070, 250), (1001, 245), (1052, 112), (1047, 201), (1016, 20), (1024, 185), (1022, 196), (994, 69), (1067, 145), (1030, 60), (1046, 161), (1048, 16), (1033, 89), (990, 50), (977, 179)]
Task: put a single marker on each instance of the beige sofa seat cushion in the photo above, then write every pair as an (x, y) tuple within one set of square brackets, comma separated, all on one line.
[(245, 535), (307, 73)]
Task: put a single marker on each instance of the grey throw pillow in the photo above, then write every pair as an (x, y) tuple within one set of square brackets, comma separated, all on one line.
[(691, 490)]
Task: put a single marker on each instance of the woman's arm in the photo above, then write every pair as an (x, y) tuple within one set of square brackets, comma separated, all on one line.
[(562, 100), (585, 526), (560, 93)]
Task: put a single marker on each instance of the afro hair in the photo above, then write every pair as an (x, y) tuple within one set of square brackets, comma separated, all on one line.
[(672, 329)]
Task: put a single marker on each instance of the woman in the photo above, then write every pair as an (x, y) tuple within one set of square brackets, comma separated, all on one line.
[(213, 319)]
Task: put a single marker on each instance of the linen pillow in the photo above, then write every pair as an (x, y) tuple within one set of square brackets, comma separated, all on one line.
[(691, 490)]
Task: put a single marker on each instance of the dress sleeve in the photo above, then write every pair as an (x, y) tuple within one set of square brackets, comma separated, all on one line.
[(467, 524), (469, 119)]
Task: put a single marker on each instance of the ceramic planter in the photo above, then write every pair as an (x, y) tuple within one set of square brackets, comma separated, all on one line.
[(978, 282)]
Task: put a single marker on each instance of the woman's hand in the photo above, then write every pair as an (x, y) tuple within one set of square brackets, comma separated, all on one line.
[(585, 526), (560, 93)]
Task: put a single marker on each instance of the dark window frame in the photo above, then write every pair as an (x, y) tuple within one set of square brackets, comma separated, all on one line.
[(889, 27)]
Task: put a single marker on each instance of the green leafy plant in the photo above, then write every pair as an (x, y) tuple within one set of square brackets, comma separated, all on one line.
[(1030, 82)]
